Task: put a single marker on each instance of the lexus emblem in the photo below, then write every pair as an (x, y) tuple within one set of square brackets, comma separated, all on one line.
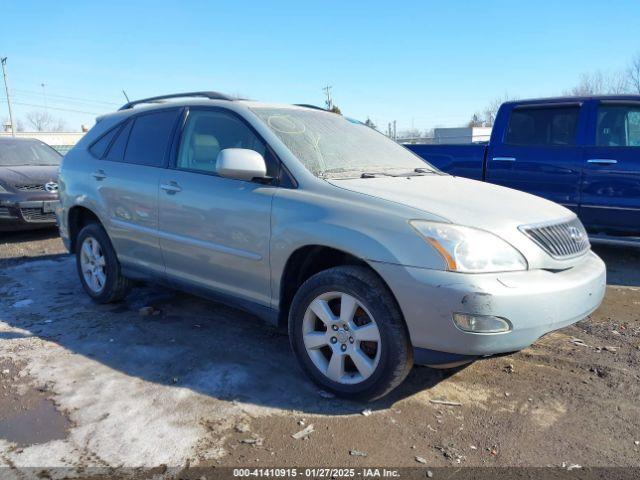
[(575, 234), (51, 187)]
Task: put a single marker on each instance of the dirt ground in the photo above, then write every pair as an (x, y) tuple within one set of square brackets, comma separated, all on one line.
[(200, 383)]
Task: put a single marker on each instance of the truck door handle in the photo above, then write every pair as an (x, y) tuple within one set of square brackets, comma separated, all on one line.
[(171, 188), (602, 161), (504, 159), (99, 175)]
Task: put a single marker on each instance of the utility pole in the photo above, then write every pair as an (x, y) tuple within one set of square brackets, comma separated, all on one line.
[(44, 94), (6, 88), (395, 133), (329, 101)]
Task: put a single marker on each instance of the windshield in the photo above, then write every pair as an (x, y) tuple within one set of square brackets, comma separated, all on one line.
[(329, 144), (19, 152)]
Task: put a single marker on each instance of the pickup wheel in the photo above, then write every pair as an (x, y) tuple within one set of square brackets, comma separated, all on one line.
[(348, 333), (98, 266)]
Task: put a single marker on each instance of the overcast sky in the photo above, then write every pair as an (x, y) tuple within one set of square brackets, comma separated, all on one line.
[(422, 63)]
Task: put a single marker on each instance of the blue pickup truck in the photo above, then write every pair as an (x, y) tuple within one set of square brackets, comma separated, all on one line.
[(583, 153)]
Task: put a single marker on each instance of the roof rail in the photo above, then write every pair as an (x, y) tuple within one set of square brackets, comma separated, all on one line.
[(209, 95)]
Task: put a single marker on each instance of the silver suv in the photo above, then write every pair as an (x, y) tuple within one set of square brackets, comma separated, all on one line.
[(372, 258)]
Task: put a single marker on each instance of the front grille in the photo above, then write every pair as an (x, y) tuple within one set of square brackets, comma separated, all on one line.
[(560, 240), (30, 188), (37, 215)]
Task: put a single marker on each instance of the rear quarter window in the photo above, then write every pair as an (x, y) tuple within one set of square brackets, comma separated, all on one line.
[(99, 148)]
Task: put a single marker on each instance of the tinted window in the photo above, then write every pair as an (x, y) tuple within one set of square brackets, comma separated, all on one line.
[(119, 145), (27, 152), (618, 126), (99, 148), (543, 126), (207, 132), (149, 138)]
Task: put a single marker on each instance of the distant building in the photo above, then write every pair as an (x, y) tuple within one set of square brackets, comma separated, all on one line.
[(61, 141), (451, 135), (461, 135)]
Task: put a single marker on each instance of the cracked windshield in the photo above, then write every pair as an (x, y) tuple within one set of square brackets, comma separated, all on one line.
[(330, 145)]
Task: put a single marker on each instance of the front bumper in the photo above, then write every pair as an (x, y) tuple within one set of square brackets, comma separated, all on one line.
[(27, 214), (535, 302)]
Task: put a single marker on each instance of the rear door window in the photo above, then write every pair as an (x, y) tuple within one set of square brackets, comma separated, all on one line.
[(149, 138), (543, 126), (618, 126)]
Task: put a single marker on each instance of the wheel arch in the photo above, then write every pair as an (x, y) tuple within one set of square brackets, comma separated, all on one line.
[(306, 261), (78, 217)]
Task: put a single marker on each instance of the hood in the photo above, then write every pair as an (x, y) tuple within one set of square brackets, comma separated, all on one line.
[(493, 208), (461, 201), (28, 175)]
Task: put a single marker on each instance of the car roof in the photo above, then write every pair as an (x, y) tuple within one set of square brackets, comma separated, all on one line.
[(186, 100), (7, 139), (574, 99)]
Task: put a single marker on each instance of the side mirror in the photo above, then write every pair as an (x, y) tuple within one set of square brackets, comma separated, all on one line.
[(241, 164)]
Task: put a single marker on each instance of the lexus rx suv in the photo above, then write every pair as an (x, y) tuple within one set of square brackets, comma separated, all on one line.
[(373, 259)]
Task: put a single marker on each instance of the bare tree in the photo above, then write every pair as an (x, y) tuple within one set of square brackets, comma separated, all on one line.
[(476, 121), (600, 83), (633, 74), (369, 123), (488, 115), (491, 110), (43, 122)]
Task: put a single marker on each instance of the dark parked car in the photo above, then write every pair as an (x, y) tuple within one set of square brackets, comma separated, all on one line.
[(28, 184), (583, 153)]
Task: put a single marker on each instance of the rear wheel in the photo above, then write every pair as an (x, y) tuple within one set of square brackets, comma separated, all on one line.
[(348, 333), (98, 266)]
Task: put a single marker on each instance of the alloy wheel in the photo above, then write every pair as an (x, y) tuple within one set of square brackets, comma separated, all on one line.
[(341, 338)]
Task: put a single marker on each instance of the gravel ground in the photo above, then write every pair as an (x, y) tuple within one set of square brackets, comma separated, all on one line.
[(200, 383)]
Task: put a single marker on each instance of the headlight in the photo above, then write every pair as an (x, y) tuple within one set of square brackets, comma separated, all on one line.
[(2, 189), (466, 249)]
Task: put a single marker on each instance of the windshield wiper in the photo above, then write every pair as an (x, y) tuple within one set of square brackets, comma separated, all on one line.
[(375, 174)]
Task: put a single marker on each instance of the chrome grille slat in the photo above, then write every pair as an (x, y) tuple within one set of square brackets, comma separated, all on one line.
[(37, 215), (560, 240), (31, 188)]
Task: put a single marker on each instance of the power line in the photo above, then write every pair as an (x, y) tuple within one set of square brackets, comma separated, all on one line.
[(67, 97), (53, 108)]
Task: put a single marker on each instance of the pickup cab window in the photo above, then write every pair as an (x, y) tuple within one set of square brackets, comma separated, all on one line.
[(543, 126), (618, 126)]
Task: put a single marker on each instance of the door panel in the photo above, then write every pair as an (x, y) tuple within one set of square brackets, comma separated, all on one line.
[(611, 182), (126, 182), (539, 154), (214, 233)]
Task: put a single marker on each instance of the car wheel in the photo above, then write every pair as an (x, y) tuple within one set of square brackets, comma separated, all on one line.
[(348, 333), (98, 266)]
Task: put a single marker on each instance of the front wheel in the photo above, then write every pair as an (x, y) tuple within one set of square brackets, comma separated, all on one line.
[(348, 333)]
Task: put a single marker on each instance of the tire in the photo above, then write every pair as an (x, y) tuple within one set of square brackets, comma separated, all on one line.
[(114, 286), (387, 360)]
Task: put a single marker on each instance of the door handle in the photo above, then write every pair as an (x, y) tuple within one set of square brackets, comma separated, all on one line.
[(504, 159), (171, 188), (602, 161), (99, 175)]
